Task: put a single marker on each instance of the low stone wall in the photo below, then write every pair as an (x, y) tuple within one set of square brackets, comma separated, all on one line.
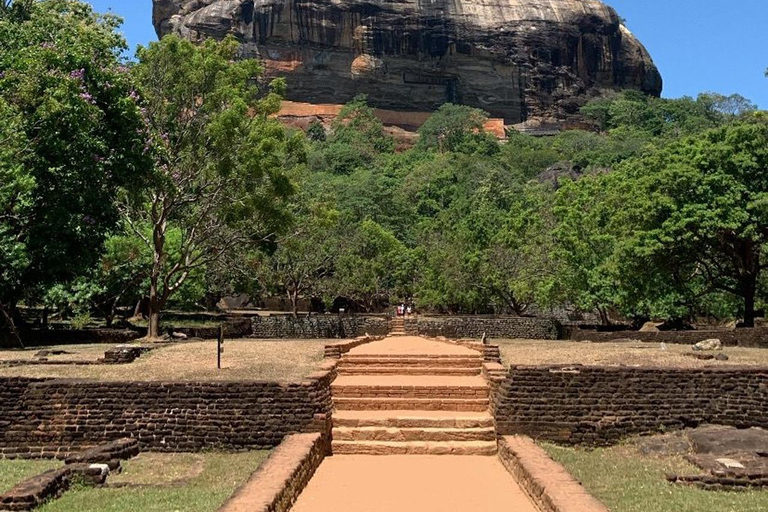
[(50, 337), (476, 326), (109, 453), (319, 327), (337, 349), (125, 354), (602, 405), (548, 483), (754, 338), (233, 328), (36, 491), (276, 485), (52, 418)]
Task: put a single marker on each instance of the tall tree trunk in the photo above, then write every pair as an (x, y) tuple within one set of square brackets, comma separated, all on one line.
[(156, 297), (750, 290), (293, 296), (604, 316), (155, 307), (10, 327)]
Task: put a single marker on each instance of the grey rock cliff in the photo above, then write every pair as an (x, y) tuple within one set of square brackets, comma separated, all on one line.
[(517, 59)]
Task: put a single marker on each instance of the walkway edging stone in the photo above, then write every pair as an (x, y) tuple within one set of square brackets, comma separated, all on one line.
[(548, 483), (279, 481), (337, 349)]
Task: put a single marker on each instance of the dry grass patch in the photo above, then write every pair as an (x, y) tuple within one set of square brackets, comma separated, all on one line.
[(627, 481), (284, 361), (545, 352), (74, 353)]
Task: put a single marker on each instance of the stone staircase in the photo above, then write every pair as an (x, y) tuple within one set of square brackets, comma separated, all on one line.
[(398, 326), (399, 402)]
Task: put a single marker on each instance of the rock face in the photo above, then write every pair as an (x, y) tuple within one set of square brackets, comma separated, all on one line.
[(516, 59)]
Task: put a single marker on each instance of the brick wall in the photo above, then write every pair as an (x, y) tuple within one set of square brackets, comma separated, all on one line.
[(41, 338), (600, 406), (52, 418), (475, 326), (756, 338), (277, 484), (319, 327)]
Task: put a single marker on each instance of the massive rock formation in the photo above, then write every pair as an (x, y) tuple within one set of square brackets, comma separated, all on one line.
[(517, 59)]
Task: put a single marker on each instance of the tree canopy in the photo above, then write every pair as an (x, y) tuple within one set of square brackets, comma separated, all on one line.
[(219, 164), (168, 178), (71, 140)]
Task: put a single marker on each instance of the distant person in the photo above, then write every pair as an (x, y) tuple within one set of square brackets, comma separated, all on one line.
[(409, 311)]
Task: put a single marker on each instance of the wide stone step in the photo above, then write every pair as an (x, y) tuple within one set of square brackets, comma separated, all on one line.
[(413, 434), (408, 370), (412, 419), (414, 448), (409, 386), (412, 404), (434, 392), (473, 356), (411, 362)]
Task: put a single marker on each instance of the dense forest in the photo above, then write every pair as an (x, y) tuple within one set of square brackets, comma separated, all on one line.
[(168, 177)]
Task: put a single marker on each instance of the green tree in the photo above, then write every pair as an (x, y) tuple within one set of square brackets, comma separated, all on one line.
[(700, 206), (17, 10), (220, 161), (116, 281), (304, 259), (71, 139), (457, 128), (372, 266), (584, 213), (356, 138)]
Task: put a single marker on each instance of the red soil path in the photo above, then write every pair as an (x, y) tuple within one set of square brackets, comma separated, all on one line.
[(410, 483)]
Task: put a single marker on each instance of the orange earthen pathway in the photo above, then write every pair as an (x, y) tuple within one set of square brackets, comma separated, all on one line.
[(412, 432), (412, 483)]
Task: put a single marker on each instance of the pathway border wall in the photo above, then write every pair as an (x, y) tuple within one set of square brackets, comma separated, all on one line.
[(49, 418), (277, 484), (548, 483), (603, 405)]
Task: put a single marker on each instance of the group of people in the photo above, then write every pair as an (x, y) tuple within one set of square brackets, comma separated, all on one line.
[(404, 310)]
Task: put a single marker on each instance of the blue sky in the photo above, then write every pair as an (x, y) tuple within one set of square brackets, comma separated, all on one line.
[(699, 45)]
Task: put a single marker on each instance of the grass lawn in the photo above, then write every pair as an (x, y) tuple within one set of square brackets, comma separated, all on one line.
[(284, 361), (155, 482), (626, 481), (536, 352), (13, 472)]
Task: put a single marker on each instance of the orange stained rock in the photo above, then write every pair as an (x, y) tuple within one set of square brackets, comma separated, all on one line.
[(412, 345), (412, 483)]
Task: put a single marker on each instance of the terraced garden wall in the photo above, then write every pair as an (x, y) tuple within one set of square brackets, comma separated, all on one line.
[(52, 418), (475, 326), (318, 327), (602, 405)]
